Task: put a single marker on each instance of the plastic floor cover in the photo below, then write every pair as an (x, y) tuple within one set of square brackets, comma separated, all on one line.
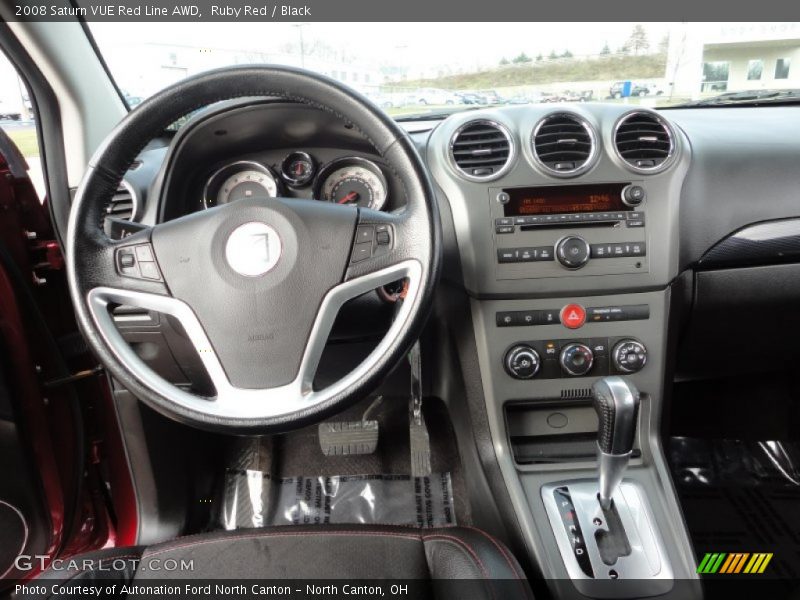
[(253, 499), (742, 497)]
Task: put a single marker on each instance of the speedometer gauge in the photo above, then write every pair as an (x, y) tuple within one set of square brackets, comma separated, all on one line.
[(354, 181), (238, 181)]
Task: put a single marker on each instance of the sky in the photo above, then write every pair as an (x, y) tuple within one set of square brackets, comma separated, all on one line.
[(457, 45)]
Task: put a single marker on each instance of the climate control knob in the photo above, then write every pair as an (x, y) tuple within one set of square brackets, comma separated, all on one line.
[(576, 359), (522, 362), (629, 356), (572, 251)]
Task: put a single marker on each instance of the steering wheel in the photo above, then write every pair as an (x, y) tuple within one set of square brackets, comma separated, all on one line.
[(256, 284)]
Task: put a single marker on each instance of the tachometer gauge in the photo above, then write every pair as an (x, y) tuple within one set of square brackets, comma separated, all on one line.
[(238, 181), (298, 169), (354, 181)]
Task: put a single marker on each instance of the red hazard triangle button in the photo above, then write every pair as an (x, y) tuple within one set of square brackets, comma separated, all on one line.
[(573, 316)]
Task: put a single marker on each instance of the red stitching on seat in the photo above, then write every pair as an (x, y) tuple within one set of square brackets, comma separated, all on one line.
[(500, 547), (466, 546), (288, 534)]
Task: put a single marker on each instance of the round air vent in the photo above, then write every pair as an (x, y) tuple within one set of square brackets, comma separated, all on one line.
[(564, 144), (123, 204), (644, 141), (482, 150)]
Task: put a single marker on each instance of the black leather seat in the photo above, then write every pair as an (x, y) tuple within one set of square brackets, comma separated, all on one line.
[(458, 561)]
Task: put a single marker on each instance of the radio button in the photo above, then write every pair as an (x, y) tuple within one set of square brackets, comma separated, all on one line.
[(504, 229), (546, 253), (507, 255), (503, 197), (520, 220), (573, 252), (633, 195), (502, 222), (635, 223)]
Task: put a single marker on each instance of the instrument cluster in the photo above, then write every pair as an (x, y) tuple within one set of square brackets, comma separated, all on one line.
[(348, 180)]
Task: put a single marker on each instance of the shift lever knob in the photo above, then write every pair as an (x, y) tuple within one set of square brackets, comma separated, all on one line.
[(617, 404)]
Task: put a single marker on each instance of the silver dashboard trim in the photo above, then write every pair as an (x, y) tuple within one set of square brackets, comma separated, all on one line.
[(594, 153), (671, 154), (512, 151)]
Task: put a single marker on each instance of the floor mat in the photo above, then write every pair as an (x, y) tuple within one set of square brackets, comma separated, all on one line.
[(252, 499), (742, 497)]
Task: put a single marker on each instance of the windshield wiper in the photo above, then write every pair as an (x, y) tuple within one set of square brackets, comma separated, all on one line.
[(749, 97)]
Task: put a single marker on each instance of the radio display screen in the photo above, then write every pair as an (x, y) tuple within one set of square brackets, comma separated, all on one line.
[(552, 200)]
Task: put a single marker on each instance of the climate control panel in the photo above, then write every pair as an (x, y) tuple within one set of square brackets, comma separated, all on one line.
[(592, 357)]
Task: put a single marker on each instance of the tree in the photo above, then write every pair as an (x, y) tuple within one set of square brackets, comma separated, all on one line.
[(539, 57), (566, 54), (663, 45), (552, 55), (637, 42), (503, 61), (522, 58), (606, 50)]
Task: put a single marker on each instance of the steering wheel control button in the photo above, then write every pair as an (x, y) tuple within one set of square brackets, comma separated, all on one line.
[(522, 362), (253, 249), (383, 236), (361, 252), (576, 359), (633, 195), (629, 356), (573, 316), (573, 252), (126, 259), (364, 233), (138, 261)]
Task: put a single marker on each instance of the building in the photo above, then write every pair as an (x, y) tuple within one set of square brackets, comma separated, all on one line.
[(712, 58)]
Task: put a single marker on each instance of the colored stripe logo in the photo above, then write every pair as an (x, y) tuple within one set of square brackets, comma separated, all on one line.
[(734, 562)]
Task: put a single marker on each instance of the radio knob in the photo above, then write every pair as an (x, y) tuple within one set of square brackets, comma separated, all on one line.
[(629, 356), (572, 251), (522, 362), (576, 359), (633, 195)]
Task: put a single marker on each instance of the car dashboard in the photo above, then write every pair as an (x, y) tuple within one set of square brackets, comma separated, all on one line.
[(580, 241)]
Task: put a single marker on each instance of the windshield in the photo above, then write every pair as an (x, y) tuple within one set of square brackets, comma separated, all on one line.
[(417, 69)]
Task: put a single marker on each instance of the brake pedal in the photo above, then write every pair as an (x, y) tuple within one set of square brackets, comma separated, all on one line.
[(351, 438)]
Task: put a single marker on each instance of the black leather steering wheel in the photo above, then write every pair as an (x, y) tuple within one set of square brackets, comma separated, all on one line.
[(255, 284)]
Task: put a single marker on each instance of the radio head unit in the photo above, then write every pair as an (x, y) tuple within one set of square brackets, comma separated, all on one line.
[(572, 199)]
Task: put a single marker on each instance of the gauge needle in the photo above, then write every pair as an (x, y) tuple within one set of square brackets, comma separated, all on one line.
[(348, 197)]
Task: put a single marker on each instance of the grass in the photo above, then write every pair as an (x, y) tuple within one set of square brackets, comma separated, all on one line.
[(25, 139), (603, 68)]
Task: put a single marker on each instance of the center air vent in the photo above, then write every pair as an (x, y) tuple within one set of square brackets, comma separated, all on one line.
[(564, 144), (123, 204), (644, 141), (482, 150)]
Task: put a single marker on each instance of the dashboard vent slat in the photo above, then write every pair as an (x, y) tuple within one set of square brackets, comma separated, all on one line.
[(482, 150), (564, 144), (644, 141), (122, 204)]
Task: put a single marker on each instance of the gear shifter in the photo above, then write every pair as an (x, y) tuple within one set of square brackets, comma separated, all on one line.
[(617, 404)]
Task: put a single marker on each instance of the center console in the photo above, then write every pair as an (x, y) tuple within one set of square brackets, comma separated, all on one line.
[(568, 245)]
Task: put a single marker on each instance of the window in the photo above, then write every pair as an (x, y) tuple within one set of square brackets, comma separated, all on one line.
[(715, 76), (754, 70), (782, 68), (16, 120)]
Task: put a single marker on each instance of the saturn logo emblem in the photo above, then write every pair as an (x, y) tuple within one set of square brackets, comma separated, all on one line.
[(253, 249)]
